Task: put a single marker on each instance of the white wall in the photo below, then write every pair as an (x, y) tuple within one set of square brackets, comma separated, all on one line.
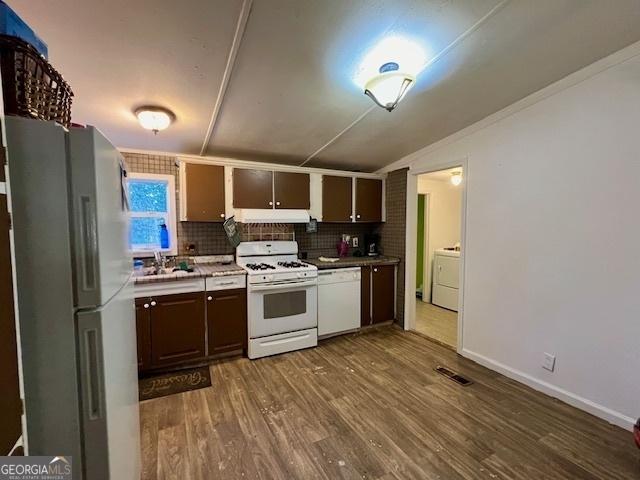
[(552, 237), (443, 229)]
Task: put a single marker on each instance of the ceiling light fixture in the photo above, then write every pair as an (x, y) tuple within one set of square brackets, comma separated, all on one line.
[(456, 178), (154, 118), (389, 87)]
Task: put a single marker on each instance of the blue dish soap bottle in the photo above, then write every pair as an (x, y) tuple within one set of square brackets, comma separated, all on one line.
[(164, 236)]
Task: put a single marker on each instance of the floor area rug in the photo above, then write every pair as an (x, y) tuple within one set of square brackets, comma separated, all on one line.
[(175, 382)]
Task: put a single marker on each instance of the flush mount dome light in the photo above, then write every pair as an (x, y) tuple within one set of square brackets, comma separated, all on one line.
[(456, 178), (154, 118), (389, 86)]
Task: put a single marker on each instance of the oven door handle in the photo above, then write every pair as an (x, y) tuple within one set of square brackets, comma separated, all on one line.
[(280, 286)]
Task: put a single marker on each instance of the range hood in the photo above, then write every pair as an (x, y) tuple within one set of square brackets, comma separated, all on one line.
[(271, 215)]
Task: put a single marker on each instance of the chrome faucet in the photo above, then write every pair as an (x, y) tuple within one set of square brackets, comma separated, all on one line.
[(160, 262)]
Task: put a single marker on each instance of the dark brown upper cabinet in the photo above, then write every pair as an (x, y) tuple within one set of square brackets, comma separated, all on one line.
[(267, 189), (252, 188), (203, 193), (368, 200), (291, 190), (337, 199)]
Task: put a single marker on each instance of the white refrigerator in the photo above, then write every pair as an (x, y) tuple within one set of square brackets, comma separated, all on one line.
[(75, 297)]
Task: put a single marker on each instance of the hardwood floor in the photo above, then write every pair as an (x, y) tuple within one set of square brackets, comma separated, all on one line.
[(370, 406), (437, 323)]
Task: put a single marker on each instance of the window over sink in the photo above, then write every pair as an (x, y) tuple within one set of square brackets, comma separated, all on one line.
[(152, 203)]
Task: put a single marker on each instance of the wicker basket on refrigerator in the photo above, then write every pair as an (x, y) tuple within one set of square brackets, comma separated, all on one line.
[(31, 87)]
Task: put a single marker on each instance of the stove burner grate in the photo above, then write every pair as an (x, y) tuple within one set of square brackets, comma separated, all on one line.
[(260, 266), (291, 264)]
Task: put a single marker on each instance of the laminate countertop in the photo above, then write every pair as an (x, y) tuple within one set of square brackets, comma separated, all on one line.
[(199, 271), (346, 262)]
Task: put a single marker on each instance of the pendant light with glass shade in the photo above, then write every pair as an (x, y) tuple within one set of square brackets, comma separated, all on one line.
[(389, 87)]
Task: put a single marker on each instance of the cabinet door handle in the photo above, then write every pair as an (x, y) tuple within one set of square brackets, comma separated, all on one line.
[(375, 269), (270, 203), (357, 216), (209, 298), (146, 305), (222, 215), (153, 303), (351, 217), (277, 203)]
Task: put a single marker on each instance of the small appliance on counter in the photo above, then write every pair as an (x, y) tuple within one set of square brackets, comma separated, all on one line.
[(371, 243)]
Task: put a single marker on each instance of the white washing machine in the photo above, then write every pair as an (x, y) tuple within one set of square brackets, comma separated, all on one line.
[(446, 273)]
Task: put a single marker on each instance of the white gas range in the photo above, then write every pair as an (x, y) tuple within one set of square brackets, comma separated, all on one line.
[(282, 298)]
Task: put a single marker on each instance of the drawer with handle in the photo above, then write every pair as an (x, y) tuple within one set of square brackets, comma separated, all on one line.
[(227, 282)]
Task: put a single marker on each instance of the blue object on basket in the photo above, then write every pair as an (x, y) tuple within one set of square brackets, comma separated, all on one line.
[(12, 24)]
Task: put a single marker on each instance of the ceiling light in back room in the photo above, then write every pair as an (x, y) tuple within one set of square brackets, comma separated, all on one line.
[(154, 118), (456, 178)]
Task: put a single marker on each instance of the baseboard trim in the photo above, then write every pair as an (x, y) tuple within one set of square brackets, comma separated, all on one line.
[(600, 411)]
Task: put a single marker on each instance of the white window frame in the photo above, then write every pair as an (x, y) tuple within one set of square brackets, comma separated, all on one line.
[(171, 214)]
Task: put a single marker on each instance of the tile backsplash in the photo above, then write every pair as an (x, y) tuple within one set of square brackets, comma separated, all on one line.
[(324, 241), (393, 232)]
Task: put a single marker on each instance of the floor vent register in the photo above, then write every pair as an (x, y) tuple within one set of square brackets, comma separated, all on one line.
[(456, 377)]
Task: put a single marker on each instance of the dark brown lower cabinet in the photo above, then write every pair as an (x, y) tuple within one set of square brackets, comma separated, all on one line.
[(143, 332), (378, 294), (177, 328), (383, 286), (227, 320), (173, 329), (365, 296)]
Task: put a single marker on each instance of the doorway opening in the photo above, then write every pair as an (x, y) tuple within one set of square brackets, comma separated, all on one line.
[(439, 220)]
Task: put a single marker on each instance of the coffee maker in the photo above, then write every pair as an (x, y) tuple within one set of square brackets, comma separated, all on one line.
[(371, 242)]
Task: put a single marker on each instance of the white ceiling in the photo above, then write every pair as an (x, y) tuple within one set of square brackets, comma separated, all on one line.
[(291, 98)]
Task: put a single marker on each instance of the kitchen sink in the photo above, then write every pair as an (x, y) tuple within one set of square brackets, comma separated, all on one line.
[(151, 272)]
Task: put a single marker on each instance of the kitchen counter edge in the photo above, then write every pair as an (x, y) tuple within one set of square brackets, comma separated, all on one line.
[(200, 271), (347, 262)]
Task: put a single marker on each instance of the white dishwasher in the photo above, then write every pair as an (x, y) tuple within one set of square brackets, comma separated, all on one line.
[(338, 300)]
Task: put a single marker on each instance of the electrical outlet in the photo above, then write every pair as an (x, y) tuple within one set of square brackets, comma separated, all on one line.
[(549, 362), (355, 242)]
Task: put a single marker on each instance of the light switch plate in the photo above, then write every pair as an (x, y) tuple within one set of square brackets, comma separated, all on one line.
[(355, 241), (549, 362)]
